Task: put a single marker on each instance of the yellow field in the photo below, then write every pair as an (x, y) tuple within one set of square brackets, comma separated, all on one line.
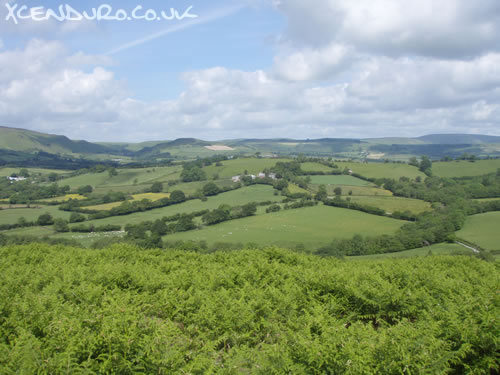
[(65, 198), (136, 197)]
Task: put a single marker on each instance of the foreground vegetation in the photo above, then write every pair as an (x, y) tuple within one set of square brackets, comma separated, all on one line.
[(124, 310)]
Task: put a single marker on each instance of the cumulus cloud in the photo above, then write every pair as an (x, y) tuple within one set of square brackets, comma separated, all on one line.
[(342, 69)]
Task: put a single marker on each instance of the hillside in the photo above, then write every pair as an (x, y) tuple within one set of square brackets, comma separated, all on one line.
[(23, 140)]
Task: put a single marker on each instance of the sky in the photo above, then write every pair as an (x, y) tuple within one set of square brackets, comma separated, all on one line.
[(252, 69)]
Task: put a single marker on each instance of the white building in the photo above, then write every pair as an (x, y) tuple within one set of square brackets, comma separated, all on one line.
[(15, 179), (236, 178)]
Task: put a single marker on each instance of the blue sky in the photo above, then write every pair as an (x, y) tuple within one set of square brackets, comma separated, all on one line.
[(256, 68)]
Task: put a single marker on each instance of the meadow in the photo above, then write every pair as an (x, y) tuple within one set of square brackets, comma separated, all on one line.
[(5, 172), (393, 204), (315, 167), (465, 168), (256, 193), (129, 178), (377, 170), (11, 216), (438, 249), (312, 226), (339, 180), (64, 198), (136, 197), (236, 167), (126, 310), (483, 230)]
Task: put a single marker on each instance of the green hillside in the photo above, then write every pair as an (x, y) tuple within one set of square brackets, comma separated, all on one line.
[(28, 141)]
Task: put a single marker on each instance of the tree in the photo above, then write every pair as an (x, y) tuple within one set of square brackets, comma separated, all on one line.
[(61, 226), (53, 177), (113, 172), (185, 223), (24, 173), (223, 213), (177, 196), (75, 217), (249, 209), (414, 161), (338, 191), (193, 174), (45, 219), (87, 189), (157, 187), (159, 227), (210, 189), (322, 194), (426, 165)]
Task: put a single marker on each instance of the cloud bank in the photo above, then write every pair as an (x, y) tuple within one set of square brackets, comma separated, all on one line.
[(342, 68)]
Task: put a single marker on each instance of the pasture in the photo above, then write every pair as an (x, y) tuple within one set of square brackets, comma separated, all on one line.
[(136, 197), (379, 170), (64, 198), (5, 172), (256, 193), (339, 180), (465, 168), (438, 249), (315, 167), (311, 226), (483, 230), (11, 216), (238, 167), (393, 204), (125, 178)]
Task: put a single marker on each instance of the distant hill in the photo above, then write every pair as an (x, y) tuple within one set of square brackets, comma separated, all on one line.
[(459, 139), (23, 140)]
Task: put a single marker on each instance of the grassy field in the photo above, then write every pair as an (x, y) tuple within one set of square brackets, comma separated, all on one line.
[(392, 204), (339, 180), (465, 168), (315, 167), (483, 230), (125, 178), (11, 216), (237, 167), (356, 190), (256, 193), (312, 226), (136, 197), (379, 170), (294, 189), (64, 198), (4, 172), (438, 249)]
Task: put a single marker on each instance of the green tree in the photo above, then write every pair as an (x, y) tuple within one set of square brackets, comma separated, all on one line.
[(210, 189), (113, 172), (53, 177), (426, 165), (24, 173), (177, 196), (45, 219), (159, 227), (83, 190), (322, 194), (75, 217), (338, 191), (61, 226), (157, 187)]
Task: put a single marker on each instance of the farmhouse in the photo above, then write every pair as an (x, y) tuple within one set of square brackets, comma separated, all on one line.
[(236, 178), (16, 179), (262, 175)]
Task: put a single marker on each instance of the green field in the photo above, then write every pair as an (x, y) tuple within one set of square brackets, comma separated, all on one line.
[(136, 197), (11, 216), (380, 170), (438, 249), (339, 180), (465, 168), (392, 204), (237, 167), (256, 193), (315, 167), (483, 230), (126, 178), (4, 172), (312, 226), (64, 198)]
